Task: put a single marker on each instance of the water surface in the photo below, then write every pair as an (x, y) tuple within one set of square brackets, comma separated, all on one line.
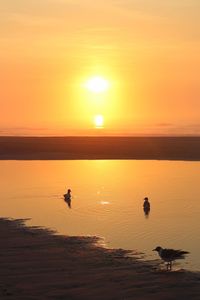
[(107, 201)]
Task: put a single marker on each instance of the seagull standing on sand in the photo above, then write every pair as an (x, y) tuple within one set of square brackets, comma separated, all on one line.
[(169, 255)]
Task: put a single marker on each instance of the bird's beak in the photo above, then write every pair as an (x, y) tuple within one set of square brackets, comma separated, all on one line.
[(154, 250)]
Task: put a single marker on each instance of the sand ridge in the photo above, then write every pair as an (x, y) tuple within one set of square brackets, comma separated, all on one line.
[(60, 148)]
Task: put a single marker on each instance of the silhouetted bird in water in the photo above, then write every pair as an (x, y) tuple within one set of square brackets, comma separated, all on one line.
[(146, 206), (169, 255), (67, 197)]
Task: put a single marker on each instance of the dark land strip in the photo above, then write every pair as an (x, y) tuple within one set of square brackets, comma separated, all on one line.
[(63, 148)]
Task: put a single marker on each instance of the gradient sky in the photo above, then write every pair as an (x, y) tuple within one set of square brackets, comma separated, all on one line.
[(148, 50)]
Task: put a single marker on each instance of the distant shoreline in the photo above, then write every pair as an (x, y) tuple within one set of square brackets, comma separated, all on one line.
[(68, 148)]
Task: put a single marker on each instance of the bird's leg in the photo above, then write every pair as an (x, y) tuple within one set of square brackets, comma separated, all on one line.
[(167, 266), (170, 265)]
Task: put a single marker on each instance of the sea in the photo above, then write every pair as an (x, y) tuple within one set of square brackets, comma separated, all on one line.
[(107, 201)]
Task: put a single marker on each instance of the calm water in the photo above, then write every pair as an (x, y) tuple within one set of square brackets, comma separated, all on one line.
[(107, 201)]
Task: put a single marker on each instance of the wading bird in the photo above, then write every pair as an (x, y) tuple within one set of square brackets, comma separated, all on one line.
[(169, 255)]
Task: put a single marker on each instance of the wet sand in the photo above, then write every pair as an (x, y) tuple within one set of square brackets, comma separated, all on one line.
[(40, 148), (39, 264)]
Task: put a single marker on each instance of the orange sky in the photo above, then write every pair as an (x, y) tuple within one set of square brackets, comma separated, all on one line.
[(148, 50)]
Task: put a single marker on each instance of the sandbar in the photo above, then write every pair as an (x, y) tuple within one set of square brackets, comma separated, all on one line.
[(63, 148)]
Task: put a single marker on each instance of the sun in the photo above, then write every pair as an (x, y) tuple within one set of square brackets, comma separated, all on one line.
[(97, 84), (99, 121)]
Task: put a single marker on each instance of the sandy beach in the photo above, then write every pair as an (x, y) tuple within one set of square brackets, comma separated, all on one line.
[(38, 264)]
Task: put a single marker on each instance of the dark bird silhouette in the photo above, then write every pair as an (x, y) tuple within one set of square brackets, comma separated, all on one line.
[(146, 203), (67, 198), (146, 206), (169, 255)]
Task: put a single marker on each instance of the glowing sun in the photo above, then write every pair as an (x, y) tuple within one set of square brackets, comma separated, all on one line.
[(99, 121), (97, 84)]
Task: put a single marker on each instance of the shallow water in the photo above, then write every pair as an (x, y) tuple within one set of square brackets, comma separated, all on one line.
[(107, 201)]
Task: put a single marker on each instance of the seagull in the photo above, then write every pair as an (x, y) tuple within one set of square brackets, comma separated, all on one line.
[(169, 255)]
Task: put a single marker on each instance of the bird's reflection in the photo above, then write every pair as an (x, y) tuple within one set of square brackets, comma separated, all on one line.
[(68, 201), (146, 211)]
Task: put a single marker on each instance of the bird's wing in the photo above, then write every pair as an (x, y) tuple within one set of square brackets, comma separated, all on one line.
[(168, 253), (181, 254), (173, 254)]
